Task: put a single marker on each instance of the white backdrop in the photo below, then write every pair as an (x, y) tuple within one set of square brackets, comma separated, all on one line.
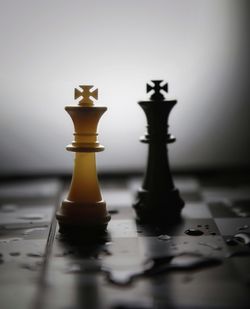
[(49, 47)]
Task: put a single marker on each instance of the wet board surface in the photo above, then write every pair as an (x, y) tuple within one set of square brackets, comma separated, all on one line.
[(203, 262)]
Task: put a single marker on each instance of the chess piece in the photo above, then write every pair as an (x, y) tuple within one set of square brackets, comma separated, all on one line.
[(158, 200), (84, 208)]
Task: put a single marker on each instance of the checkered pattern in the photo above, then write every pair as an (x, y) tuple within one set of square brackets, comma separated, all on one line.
[(75, 275)]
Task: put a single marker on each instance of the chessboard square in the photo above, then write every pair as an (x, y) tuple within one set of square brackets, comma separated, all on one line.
[(242, 264), (121, 213), (191, 196), (147, 230), (231, 226), (187, 184), (221, 210), (196, 210), (122, 228), (23, 217), (23, 191), (214, 194), (116, 198)]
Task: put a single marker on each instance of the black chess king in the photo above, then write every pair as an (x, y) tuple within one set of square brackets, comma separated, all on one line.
[(158, 201)]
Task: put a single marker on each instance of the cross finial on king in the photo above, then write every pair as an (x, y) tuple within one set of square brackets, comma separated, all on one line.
[(86, 93), (157, 95)]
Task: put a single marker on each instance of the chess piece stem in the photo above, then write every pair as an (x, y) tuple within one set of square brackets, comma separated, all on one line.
[(84, 185)]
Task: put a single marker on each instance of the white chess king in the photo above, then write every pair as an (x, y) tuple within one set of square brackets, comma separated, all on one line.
[(84, 208)]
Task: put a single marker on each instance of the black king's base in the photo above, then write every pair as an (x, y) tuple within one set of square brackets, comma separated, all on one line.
[(158, 201)]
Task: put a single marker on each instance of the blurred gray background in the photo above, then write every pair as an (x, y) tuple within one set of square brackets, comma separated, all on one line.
[(49, 47)]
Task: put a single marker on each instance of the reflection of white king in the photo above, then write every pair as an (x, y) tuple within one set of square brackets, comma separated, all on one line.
[(84, 207)]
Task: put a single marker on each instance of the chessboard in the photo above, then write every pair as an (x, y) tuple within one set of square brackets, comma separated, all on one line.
[(201, 262)]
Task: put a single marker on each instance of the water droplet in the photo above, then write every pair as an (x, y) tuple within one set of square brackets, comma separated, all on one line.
[(8, 240), (164, 237), (191, 260), (8, 208), (35, 255), (212, 246), (32, 217), (231, 242), (36, 229), (64, 253), (156, 266), (14, 253), (125, 276), (244, 227), (32, 267), (242, 237), (83, 268), (194, 232), (182, 261), (113, 211)]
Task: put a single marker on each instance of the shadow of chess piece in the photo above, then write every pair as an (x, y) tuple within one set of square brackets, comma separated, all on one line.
[(158, 201), (84, 210)]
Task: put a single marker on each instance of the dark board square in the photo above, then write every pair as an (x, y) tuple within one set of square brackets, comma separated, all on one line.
[(231, 226), (221, 210)]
